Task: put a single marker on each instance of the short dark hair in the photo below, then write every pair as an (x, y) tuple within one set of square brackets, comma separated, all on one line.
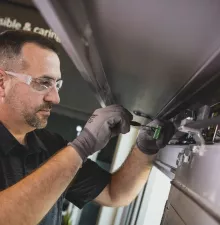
[(12, 41), (15, 39)]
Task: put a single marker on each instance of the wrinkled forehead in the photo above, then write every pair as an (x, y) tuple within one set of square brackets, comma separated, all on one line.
[(40, 61)]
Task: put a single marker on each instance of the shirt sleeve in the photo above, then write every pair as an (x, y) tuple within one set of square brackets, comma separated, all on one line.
[(88, 184), (90, 179)]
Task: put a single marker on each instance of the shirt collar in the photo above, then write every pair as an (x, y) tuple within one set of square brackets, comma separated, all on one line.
[(34, 142), (8, 141)]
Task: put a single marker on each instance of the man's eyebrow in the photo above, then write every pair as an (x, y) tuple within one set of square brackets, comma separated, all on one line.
[(50, 77)]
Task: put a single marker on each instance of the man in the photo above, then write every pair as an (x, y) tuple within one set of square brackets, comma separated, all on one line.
[(37, 168)]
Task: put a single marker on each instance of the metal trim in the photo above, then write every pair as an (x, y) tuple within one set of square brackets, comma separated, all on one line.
[(201, 202), (79, 48), (208, 72), (204, 123), (165, 164), (165, 169)]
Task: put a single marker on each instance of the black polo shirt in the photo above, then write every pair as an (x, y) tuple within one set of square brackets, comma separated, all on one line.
[(17, 161)]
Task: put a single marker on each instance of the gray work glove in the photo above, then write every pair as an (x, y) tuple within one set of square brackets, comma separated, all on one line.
[(104, 124), (145, 141)]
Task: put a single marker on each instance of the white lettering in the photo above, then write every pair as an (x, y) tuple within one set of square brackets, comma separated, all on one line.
[(47, 33), (36, 29), (14, 24), (27, 26), (9, 23)]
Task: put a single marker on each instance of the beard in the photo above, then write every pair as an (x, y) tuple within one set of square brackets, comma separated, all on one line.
[(25, 112), (34, 119)]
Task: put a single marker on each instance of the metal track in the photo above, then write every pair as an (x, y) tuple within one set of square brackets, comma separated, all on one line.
[(205, 205)]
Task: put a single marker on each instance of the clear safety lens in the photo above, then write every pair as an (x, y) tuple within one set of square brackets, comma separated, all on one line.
[(43, 84), (59, 84)]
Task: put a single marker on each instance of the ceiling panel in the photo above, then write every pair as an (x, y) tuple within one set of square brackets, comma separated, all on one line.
[(150, 49)]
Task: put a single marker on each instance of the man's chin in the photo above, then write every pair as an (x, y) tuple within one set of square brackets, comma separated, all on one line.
[(38, 122), (42, 123)]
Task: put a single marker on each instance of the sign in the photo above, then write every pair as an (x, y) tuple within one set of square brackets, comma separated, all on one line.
[(14, 17), (11, 23)]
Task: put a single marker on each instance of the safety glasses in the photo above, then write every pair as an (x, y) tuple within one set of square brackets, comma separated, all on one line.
[(41, 84)]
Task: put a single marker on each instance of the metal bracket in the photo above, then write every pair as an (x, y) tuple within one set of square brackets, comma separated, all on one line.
[(196, 134), (185, 156)]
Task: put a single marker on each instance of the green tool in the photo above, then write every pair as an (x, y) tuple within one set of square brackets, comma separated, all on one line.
[(157, 132)]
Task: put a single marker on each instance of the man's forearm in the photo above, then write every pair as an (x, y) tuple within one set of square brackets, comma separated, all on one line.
[(28, 201), (128, 181)]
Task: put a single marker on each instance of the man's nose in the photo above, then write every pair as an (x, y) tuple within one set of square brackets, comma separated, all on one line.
[(52, 96)]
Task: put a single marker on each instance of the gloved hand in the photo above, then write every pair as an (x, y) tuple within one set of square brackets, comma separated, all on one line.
[(145, 141), (104, 124)]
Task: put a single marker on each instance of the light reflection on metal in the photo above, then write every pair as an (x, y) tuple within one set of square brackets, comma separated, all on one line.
[(196, 134), (201, 202)]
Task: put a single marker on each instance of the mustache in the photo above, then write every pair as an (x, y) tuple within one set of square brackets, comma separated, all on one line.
[(45, 106)]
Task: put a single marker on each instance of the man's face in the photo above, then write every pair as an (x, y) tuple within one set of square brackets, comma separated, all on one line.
[(29, 105)]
